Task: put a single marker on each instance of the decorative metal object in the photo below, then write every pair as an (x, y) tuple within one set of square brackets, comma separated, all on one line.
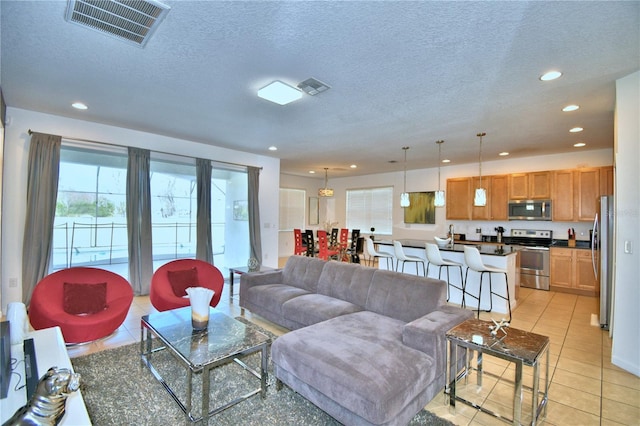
[(499, 326), (253, 264), (47, 405), (480, 198), (438, 200), (404, 197)]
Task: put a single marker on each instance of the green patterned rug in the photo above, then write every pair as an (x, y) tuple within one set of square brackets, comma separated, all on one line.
[(119, 390)]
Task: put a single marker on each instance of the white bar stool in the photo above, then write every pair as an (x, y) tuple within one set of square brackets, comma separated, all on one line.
[(434, 257), (373, 253), (402, 257), (474, 262)]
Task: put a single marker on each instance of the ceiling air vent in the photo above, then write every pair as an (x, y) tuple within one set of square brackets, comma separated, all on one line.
[(312, 87), (133, 21)]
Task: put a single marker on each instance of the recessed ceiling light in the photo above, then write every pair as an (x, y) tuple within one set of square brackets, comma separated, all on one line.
[(551, 75), (576, 129), (353, 166), (273, 148), (279, 93), (446, 160), (312, 172), (579, 144), (570, 108), (503, 154), (79, 105)]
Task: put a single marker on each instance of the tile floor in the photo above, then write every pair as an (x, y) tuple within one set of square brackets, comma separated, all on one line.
[(585, 388)]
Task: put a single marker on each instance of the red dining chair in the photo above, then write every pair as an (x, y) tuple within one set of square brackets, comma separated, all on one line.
[(344, 238), (299, 249), (324, 252)]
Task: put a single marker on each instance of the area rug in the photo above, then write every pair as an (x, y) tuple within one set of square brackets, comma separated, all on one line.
[(119, 390)]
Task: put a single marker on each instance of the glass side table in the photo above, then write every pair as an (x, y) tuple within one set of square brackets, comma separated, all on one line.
[(517, 346)]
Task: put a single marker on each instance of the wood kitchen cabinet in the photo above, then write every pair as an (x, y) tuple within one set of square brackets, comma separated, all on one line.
[(530, 186), (575, 192), (572, 271), (459, 199), (588, 191), (606, 180), (562, 197)]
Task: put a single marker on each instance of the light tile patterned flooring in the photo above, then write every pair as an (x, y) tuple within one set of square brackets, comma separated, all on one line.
[(585, 388)]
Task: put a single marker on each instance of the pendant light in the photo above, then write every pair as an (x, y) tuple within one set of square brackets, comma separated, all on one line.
[(326, 191), (480, 198), (404, 197), (438, 201)]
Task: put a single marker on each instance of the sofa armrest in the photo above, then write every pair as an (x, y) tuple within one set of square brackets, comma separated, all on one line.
[(259, 278), (427, 333)]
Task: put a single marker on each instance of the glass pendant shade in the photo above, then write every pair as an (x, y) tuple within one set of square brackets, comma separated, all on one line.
[(438, 201), (326, 191), (480, 198), (404, 199)]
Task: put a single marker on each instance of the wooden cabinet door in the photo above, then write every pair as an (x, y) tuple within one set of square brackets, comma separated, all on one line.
[(459, 199), (562, 198), (585, 278), (540, 185), (481, 212), (519, 186), (606, 180), (561, 265), (588, 190), (499, 197)]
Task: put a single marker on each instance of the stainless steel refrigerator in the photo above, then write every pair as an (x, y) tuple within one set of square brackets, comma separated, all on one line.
[(602, 256)]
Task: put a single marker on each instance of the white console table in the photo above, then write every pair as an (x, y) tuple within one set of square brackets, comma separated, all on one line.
[(50, 352)]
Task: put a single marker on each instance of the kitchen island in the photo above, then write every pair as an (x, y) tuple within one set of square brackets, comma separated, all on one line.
[(500, 256)]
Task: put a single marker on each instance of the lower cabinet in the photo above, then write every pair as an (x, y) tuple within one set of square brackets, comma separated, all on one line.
[(572, 271)]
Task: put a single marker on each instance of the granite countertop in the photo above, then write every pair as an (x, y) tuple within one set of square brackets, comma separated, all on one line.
[(580, 244), (491, 249)]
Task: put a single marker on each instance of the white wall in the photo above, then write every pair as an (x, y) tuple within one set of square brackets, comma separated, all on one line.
[(15, 177), (626, 315)]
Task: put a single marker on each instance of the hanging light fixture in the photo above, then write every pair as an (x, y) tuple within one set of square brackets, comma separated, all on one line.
[(438, 201), (404, 197), (480, 198), (326, 191)]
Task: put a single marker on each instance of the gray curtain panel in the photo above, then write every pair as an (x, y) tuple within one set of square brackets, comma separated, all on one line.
[(42, 191), (204, 242), (139, 220), (255, 239)]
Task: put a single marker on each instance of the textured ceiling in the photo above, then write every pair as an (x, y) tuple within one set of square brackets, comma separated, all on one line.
[(401, 74)]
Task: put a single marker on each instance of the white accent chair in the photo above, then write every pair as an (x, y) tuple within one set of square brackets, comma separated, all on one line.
[(402, 257), (474, 262), (434, 257), (374, 254)]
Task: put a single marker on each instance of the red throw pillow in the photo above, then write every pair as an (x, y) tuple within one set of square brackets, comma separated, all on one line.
[(182, 279), (84, 299)]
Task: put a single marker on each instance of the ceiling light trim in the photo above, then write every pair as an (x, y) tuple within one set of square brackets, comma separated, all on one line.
[(279, 93)]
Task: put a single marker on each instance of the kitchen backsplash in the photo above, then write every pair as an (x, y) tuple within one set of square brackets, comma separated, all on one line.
[(559, 229)]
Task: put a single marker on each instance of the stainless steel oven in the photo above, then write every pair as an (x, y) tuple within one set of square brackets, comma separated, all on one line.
[(533, 256)]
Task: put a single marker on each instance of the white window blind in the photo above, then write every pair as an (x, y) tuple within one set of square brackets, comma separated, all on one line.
[(292, 209), (370, 208)]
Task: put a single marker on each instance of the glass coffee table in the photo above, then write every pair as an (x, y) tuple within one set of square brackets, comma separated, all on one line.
[(517, 346), (226, 340)]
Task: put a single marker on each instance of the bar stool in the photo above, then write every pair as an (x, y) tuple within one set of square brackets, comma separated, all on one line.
[(434, 258), (474, 262), (374, 254), (402, 257)]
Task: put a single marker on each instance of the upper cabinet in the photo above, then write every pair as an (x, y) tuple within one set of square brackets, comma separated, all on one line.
[(576, 192), (459, 199), (606, 180), (588, 192), (530, 186), (460, 193), (562, 205)]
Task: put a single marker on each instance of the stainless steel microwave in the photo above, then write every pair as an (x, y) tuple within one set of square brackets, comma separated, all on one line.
[(530, 210)]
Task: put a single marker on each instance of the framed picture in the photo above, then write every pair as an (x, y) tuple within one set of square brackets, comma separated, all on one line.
[(421, 208), (240, 210), (314, 217)]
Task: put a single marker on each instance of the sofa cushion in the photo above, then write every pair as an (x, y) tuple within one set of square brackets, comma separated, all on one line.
[(346, 281), (273, 296), (182, 279), (84, 299), (312, 308), (303, 272), (404, 297), (359, 361)]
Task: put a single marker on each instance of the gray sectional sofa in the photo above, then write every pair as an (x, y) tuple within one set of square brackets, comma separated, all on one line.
[(368, 346)]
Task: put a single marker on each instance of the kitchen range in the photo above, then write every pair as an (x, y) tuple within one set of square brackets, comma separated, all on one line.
[(533, 256)]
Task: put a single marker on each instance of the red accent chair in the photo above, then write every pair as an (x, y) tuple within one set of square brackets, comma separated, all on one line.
[(162, 295), (46, 308), (344, 238), (299, 249)]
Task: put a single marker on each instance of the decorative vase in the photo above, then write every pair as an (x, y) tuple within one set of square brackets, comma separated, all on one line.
[(253, 264), (199, 298)]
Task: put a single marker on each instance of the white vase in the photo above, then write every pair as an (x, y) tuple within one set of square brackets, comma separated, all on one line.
[(200, 297)]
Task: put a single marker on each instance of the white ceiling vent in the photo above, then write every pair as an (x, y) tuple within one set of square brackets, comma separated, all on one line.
[(133, 21), (312, 87)]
